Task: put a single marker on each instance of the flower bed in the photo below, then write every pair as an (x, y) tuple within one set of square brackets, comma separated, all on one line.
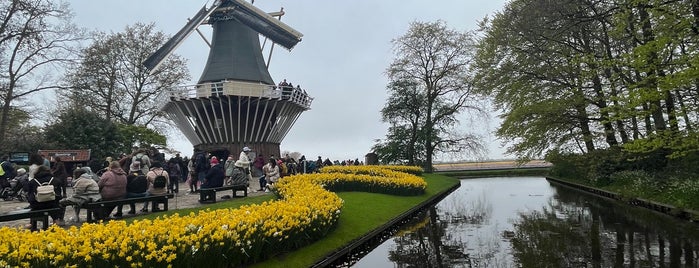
[(369, 169), (305, 212)]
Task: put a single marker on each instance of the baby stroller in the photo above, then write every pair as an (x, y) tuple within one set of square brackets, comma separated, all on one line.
[(15, 187)]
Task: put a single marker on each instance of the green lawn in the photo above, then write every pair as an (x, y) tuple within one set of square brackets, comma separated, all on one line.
[(362, 213)]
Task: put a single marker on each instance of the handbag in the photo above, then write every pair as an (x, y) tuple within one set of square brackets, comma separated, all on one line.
[(45, 192)]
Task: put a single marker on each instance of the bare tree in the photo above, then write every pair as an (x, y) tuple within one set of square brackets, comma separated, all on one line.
[(112, 82), (437, 60), (37, 38)]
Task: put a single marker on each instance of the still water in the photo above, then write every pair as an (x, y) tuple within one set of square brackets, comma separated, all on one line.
[(528, 222)]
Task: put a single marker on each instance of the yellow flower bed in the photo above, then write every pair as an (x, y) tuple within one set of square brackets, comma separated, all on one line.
[(305, 213), (364, 169)]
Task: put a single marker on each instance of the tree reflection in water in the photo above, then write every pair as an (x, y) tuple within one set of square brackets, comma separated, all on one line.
[(438, 239), (577, 230), (527, 222)]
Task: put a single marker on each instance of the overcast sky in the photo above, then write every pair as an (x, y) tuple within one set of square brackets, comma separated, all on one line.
[(340, 62)]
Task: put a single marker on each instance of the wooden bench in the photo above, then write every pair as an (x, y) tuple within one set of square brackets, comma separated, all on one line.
[(38, 215), (208, 195), (158, 199)]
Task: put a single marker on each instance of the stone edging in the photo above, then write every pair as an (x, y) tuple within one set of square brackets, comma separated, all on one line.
[(685, 214), (351, 246)]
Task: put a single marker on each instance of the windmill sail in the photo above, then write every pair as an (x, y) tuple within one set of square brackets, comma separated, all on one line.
[(265, 24), (156, 58)]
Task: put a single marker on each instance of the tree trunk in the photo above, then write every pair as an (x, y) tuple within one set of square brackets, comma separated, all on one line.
[(651, 76), (584, 123), (609, 133)]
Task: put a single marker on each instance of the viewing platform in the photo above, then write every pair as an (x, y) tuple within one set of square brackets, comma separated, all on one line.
[(243, 89)]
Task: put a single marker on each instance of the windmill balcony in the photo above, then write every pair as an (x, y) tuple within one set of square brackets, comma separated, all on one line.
[(244, 89)]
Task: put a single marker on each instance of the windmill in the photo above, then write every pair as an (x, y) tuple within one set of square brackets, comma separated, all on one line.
[(235, 103)]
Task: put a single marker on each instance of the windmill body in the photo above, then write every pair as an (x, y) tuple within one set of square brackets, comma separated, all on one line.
[(235, 103)]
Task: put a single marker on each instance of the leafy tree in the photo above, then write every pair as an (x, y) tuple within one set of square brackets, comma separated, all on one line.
[(404, 111), (432, 63), (36, 38), (138, 135), (112, 81), (398, 148), (21, 136), (587, 75), (82, 129)]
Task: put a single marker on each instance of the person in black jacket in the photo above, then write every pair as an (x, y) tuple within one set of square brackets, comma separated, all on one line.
[(61, 174), (214, 177), (9, 172), (136, 186), (43, 175)]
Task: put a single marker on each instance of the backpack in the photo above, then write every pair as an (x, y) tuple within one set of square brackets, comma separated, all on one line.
[(45, 192), (200, 163), (160, 180)]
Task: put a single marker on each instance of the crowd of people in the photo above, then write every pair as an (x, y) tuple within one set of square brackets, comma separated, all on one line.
[(145, 172)]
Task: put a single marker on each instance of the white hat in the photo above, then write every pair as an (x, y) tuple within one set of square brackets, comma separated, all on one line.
[(246, 149), (238, 163)]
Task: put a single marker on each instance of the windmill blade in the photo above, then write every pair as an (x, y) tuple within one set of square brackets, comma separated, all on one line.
[(161, 54), (265, 24)]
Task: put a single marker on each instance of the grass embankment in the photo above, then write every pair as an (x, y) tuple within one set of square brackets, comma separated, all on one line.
[(362, 213), (496, 172)]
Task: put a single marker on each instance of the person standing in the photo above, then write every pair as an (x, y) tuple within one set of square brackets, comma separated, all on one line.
[(245, 161), (258, 164), (61, 174), (173, 170), (201, 166), (192, 176), (143, 160), (7, 172)]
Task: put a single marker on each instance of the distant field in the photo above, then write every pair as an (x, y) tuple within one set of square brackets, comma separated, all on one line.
[(505, 164)]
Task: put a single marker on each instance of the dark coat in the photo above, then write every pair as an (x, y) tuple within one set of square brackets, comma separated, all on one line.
[(136, 182), (42, 176), (214, 177)]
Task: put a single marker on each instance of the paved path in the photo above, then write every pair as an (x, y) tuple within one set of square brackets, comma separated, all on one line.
[(181, 200), (490, 165)]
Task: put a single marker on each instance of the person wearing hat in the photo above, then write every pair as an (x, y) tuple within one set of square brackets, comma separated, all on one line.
[(214, 178), (229, 166), (238, 176), (136, 186), (245, 161)]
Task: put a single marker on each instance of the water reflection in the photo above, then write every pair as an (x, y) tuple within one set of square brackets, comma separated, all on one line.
[(526, 222)]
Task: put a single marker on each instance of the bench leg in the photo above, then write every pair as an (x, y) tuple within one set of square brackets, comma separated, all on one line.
[(165, 201), (77, 213), (202, 196), (45, 219), (89, 215)]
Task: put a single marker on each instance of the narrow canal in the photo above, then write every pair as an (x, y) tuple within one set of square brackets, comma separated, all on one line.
[(529, 222)]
